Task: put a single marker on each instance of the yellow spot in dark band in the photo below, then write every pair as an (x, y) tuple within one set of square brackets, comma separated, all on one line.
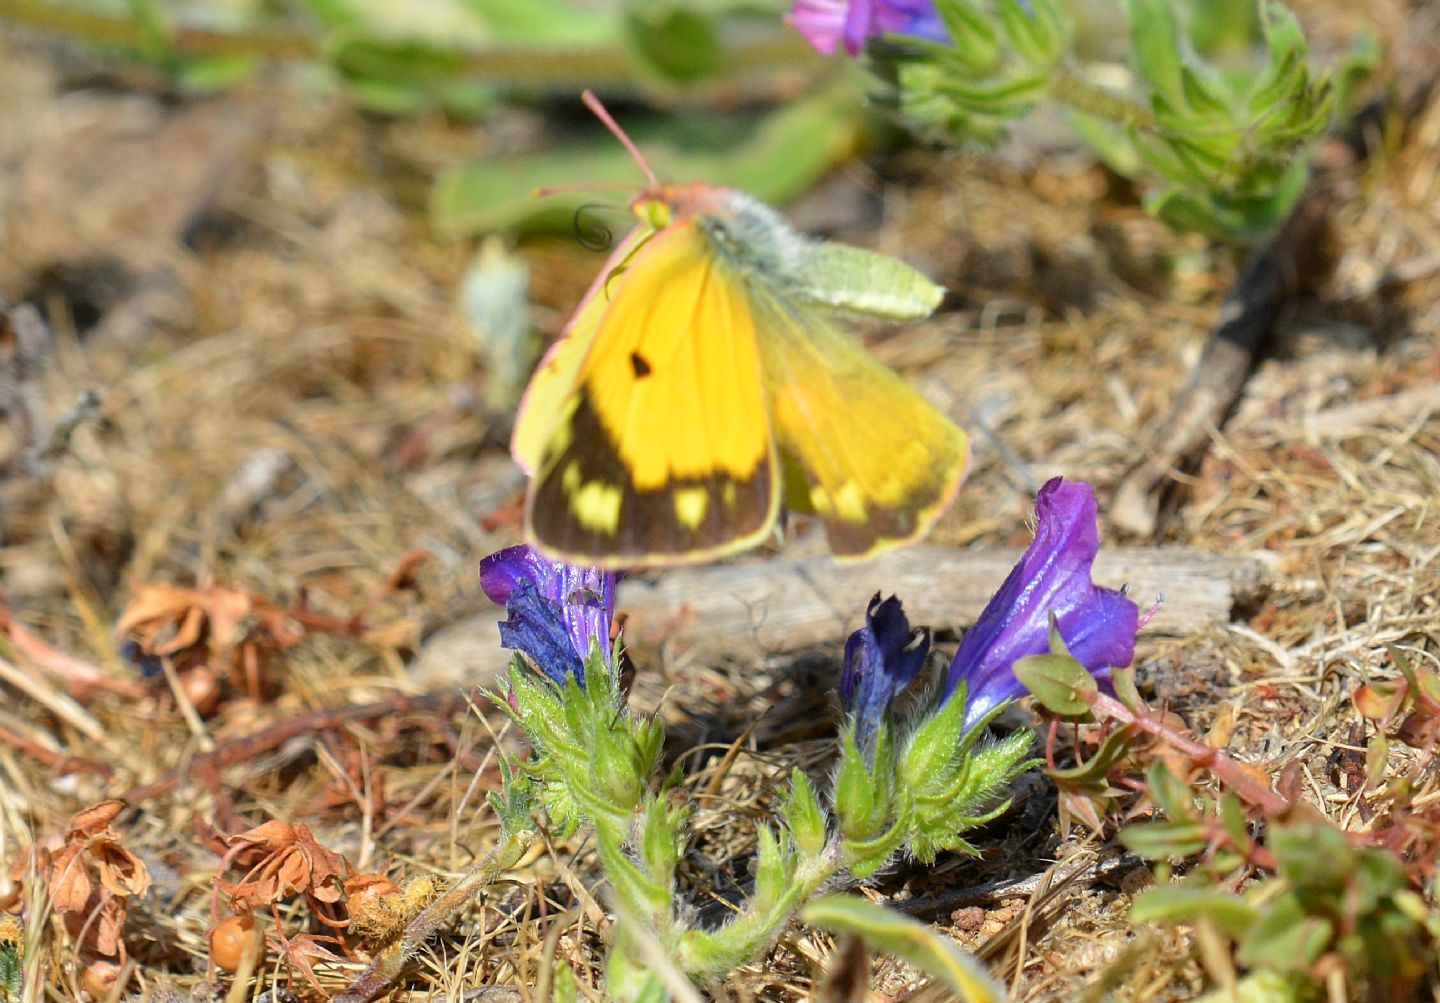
[(690, 505), (597, 506)]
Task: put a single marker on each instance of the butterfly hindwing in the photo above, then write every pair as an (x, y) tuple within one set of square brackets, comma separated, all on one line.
[(863, 450), (854, 282), (662, 451)]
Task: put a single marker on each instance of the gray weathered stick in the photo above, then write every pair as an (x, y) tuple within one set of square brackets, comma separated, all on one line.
[(781, 605)]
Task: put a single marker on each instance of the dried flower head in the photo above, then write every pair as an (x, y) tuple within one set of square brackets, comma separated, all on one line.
[(290, 862), (213, 633), (380, 909), (92, 878)]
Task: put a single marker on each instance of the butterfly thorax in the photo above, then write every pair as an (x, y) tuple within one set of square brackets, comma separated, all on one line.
[(746, 233)]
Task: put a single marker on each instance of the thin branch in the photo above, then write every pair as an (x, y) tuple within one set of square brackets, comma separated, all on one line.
[(1229, 771), (241, 749), (390, 962)]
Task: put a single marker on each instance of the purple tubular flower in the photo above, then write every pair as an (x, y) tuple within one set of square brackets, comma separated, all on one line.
[(881, 659), (1053, 578), (827, 24), (556, 609)]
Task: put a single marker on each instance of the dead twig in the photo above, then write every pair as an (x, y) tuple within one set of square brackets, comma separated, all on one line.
[(787, 603), (61, 762), (391, 960), (84, 678), (241, 749), (1275, 272), (1271, 278)]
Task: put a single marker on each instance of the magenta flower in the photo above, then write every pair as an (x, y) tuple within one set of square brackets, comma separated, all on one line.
[(881, 659), (555, 609), (829, 23), (1052, 579)]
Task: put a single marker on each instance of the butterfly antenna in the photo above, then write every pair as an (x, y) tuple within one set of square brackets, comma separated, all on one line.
[(584, 186), (593, 103)]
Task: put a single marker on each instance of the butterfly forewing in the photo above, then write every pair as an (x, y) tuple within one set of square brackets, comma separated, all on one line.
[(663, 451), (546, 397)]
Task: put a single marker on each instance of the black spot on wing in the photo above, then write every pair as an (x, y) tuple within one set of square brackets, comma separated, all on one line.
[(639, 365)]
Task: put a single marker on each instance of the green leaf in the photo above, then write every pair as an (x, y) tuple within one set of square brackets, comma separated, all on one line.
[(1061, 684), (1170, 794), (1262, 987), (208, 74), (1012, 96), (547, 23), (1201, 94), (774, 159), (156, 32), (1037, 34), (1286, 938), (1107, 140), (640, 893), (407, 62), (803, 814), (976, 43), (9, 971), (932, 745), (1218, 26), (1123, 680), (1180, 904), (1359, 63), (333, 13), (565, 988), (514, 802), (1096, 769), (662, 837), (672, 41), (1156, 39), (1163, 840), (909, 939), (868, 856), (774, 869), (858, 806), (565, 814), (612, 770), (1232, 819)]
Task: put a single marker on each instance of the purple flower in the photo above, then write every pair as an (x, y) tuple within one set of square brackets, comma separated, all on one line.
[(828, 23), (556, 609), (881, 658), (1053, 578)]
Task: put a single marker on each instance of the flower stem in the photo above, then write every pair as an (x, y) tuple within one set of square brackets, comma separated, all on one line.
[(608, 66), (1071, 89), (745, 936), (388, 963), (1229, 771)]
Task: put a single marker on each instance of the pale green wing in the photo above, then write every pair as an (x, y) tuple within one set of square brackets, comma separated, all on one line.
[(855, 281)]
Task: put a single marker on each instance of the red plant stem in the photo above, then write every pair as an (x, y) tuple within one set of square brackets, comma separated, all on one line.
[(84, 679), (1230, 772), (439, 704), (62, 762)]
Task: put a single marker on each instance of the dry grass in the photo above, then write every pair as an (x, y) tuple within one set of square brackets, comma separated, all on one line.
[(291, 409)]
